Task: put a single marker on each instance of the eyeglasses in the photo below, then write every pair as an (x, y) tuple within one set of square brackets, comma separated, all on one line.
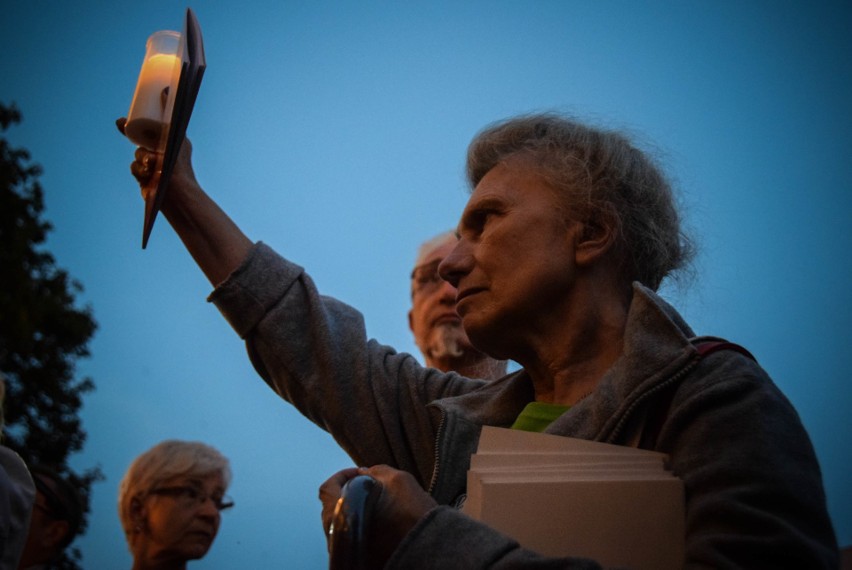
[(193, 496), (425, 278)]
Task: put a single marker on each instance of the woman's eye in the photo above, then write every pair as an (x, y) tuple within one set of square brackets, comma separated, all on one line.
[(475, 221), (478, 219), (483, 217)]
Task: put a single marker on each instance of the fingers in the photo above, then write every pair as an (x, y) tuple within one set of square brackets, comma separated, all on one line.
[(329, 494), (143, 155), (381, 472), (144, 166), (401, 503), (331, 488), (393, 479)]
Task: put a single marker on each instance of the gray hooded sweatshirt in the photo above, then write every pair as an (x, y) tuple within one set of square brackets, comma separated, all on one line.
[(753, 488)]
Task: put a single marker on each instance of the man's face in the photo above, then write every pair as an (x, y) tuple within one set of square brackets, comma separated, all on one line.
[(46, 533), (433, 319)]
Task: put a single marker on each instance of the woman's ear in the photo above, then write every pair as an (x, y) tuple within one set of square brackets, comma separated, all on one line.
[(595, 238)]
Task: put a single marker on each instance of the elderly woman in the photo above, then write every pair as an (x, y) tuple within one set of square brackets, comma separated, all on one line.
[(170, 503), (568, 233)]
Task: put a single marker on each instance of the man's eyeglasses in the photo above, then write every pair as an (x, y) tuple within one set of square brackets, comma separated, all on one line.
[(193, 496), (425, 278)]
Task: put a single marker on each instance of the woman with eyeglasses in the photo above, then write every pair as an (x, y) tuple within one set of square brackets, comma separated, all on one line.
[(170, 502)]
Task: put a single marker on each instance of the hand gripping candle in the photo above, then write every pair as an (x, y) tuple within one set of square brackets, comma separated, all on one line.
[(148, 118)]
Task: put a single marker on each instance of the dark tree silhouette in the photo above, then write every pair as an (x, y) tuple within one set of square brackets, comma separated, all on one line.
[(42, 332)]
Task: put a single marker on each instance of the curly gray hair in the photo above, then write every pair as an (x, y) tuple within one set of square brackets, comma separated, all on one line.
[(602, 176)]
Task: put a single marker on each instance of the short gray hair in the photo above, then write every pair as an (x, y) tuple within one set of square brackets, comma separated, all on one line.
[(432, 244), (166, 460)]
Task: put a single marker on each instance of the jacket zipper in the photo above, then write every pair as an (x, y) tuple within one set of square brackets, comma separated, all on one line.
[(438, 435), (662, 386)]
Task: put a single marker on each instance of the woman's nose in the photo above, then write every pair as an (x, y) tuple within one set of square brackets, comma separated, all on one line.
[(208, 508)]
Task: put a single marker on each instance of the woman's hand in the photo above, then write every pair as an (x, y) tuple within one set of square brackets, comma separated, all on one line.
[(215, 242), (330, 492), (401, 503), (144, 166)]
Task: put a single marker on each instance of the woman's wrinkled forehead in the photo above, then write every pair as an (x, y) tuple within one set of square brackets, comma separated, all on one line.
[(565, 191)]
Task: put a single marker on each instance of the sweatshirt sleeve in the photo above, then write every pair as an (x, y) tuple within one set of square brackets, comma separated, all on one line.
[(313, 351), (447, 538)]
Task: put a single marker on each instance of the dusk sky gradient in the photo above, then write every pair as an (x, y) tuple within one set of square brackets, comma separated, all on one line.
[(336, 132)]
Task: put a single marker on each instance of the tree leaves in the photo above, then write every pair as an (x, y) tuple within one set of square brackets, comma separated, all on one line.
[(42, 331)]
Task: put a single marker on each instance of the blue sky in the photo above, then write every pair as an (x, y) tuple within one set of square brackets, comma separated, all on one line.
[(336, 132)]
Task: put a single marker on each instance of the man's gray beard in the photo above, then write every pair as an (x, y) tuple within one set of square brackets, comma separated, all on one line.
[(447, 341)]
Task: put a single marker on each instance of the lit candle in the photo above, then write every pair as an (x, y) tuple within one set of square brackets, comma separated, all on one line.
[(147, 121)]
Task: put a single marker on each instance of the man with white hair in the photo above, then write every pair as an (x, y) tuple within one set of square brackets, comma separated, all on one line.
[(433, 319)]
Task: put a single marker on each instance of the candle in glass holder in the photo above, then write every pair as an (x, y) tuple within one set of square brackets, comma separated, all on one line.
[(148, 120)]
